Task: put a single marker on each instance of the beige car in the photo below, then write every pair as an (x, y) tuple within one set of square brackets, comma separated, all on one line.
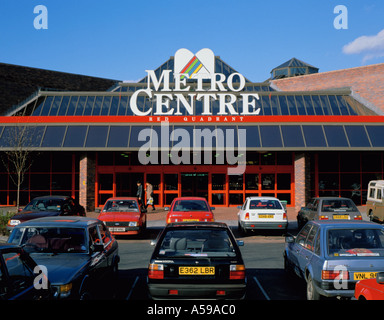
[(375, 203)]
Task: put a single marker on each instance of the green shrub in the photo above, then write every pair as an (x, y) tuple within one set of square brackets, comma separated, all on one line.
[(4, 217)]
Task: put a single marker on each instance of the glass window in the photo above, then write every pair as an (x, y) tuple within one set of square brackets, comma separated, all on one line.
[(268, 181), (326, 106), (63, 106), (309, 105), (134, 137), (106, 105), (251, 181), (292, 105), (236, 182), (314, 136), (190, 205), (72, 105), (118, 136), (97, 107), (275, 106), (376, 134), (270, 136), (328, 181), (300, 105), (357, 136), (283, 181), (17, 268), (335, 136), (171, 181), (55, 106), (75, 136), (292, 136), (348, 243), (328, 161), (123, 106), (196, 243), (343, 106), (120, 206), (263, 204), (266, 105), (47, 106), (302, 235), (317, 106), (309, 244), (80, 106), (334, 105), (252, 134), (283, 105), (53, 136), (97, 136), (218, 181), (89, 106)]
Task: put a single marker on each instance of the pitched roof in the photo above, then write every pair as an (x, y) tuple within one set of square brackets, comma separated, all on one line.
[(17, 83), (294, 63)]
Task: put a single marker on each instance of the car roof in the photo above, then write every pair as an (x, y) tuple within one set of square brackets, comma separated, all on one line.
[(52, 197), (190, 198), (332, 198), (121, 198), (346, 224), (55, 221), (259, 198), (195, 224)]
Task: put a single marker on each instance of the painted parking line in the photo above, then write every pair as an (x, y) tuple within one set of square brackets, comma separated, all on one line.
[(133, 286), (261, 288)]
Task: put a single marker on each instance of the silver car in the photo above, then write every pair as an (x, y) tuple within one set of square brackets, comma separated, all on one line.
[(333, 255), (328, 208)]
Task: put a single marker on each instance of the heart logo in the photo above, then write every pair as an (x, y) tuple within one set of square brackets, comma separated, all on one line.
[(202, 63)]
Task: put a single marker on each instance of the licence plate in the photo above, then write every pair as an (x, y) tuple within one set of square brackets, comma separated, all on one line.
[(341, 216), (266, 216), (116, 229), (202, 271), (190, 219), (364, 275)]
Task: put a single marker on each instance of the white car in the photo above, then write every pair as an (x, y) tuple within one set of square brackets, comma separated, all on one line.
[(260, 213)]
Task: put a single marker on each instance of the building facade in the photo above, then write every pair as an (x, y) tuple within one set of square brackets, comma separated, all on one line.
[(195, 126)]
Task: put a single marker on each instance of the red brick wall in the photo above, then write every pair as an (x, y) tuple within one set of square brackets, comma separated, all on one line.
[(302, 180), (366, 81), (87, 181)]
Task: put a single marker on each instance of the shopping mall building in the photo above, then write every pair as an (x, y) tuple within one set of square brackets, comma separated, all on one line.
[(194, 126)]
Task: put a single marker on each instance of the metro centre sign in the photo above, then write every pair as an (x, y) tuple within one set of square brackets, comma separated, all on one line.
[(199, 66)]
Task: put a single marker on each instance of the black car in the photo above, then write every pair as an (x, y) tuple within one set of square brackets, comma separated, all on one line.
[(47, 206), (79, 253), (20, 277), (196, 260)]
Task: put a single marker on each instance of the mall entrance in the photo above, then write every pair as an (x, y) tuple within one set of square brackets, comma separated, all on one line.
[(265, 175)]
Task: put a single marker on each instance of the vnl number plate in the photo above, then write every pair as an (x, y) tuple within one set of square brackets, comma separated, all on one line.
[(202, 271)]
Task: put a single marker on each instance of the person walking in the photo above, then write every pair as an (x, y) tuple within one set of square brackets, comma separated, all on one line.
[(139, 193), (149, 192)]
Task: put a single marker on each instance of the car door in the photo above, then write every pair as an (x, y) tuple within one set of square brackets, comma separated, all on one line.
[(17, 278), (99, 262), (307, 249), (294, 249)]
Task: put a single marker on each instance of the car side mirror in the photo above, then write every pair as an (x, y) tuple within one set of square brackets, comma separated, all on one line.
[(380, 278), (212, 208), (153, 242), (97, 210), (289, 238), (166, 208), (97, 247), (240, 243)]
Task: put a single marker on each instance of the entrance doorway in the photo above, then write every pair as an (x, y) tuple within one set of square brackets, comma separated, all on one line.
[(194, 184)]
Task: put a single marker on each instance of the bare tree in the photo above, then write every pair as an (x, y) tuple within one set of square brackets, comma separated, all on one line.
[(18, 143)]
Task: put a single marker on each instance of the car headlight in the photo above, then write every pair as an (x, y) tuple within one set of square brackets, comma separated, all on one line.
[(13, 222), (133, 223), (63, 291)]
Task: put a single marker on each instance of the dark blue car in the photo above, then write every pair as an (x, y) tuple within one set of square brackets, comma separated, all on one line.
[(333, 255), (20, 277), (79, 253)]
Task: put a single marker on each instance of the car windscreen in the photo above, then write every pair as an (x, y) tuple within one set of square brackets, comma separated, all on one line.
[(190, 205), (338, 205), (50, 239), (355, 242), (263, 204), (44, 205), (196, 243), (121, 206)]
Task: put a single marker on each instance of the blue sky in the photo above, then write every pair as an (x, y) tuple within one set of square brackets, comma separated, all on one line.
[(120, 39)]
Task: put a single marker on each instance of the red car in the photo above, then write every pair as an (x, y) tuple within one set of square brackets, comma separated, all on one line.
[(123, 216), (189, 209), (370, 289)]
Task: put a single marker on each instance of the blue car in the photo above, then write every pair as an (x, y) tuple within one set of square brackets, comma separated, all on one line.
[(79, 254), (331, 256)]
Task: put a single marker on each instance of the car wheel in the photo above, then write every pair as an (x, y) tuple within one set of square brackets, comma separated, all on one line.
[(287, 268), (312, 293)]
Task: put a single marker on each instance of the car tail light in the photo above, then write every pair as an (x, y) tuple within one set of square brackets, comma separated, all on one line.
[(323, 218), (173, 292), (285, 216), (220, 292), (156, 271), (358, 218), (247, 216), (236, 271), (331, 275)]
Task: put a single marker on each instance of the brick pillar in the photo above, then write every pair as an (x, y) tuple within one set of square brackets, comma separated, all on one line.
[(302, 180), (87, 181)]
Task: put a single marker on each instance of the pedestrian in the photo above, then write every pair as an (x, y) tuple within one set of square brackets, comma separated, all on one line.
[(139, 193), (149, 191)]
